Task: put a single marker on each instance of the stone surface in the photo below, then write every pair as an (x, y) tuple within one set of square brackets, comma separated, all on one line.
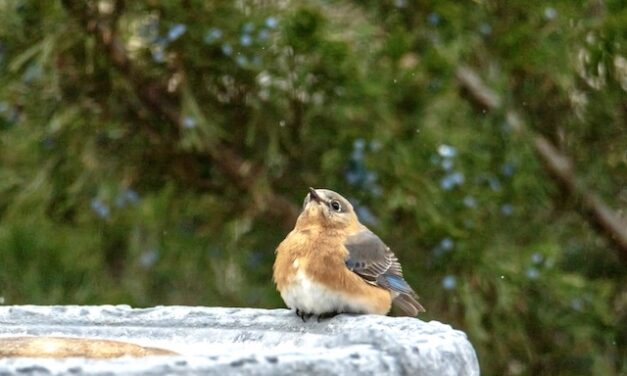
[(241, 341)]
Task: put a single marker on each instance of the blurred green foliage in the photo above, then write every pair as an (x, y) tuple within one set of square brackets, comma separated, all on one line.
[(148, 150)]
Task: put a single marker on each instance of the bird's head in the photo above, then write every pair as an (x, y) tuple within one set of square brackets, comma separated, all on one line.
[(325, 208)]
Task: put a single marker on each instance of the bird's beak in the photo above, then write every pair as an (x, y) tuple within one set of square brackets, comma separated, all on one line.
[(314, 196)]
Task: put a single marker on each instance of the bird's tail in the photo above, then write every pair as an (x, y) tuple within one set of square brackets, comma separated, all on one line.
[(406, 305)]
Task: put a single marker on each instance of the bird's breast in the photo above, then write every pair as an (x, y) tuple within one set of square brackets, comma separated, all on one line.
[(310, 249), (310, 296)]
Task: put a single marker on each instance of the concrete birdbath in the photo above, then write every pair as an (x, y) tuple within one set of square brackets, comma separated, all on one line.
[(182, 340)]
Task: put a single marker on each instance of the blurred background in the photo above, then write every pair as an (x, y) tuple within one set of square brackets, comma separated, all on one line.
[(156, 152)]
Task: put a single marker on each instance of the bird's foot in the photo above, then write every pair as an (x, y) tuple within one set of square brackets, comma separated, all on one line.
[(323, 316), (326, 315), (303, 315)]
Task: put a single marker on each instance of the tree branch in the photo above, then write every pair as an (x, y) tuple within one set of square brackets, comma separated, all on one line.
[(244, 174), (559, 165)]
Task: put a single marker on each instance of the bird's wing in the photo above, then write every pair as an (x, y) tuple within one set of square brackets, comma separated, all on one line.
[(369, 256), (373, 261)]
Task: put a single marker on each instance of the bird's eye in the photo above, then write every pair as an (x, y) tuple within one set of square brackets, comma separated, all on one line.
[(335, 205)]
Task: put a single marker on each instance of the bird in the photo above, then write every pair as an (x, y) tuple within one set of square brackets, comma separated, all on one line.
[(330, 263)]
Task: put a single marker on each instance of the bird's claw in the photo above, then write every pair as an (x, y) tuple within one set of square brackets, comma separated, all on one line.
[(303, 315), (327, 315), (306, 316)]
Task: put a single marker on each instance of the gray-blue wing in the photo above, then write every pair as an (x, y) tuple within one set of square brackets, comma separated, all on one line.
[(372, 260)]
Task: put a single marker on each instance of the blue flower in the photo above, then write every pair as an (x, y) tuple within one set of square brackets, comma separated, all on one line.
[(371, 177), (533, 273), (131, 196), (452, 180), (245, 40), (359, 144), (375, 145), (148, 258), (241, 60), (189, 122), (507, 169), (447, 151), (400, 3), (470, 202), (447, 164), (495, 183), (485, 29), (550, 13), (447, 244), (227, 49), (32, 73), (248, 27), (271, 22), (128, 196), (577, 304), (507, 209), (158, 54), (449, 282), (263, 34), (176, 31), (213, 35), (376, 191), (100, 208), (352, 177), (434, 19)]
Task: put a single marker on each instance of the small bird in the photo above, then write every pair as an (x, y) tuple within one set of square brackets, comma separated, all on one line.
[(331, 263)]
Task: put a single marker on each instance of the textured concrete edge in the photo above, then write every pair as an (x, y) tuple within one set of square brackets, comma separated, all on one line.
[(403, 345)]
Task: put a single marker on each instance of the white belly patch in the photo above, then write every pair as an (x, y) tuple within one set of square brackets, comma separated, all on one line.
[(310, 296)]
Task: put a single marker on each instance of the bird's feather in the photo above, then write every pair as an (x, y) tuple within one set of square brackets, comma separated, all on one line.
[(368, 255), (406, 305), (373, 261)]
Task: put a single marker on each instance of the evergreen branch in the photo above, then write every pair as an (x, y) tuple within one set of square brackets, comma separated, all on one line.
[(559, 165), (244, 174)]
